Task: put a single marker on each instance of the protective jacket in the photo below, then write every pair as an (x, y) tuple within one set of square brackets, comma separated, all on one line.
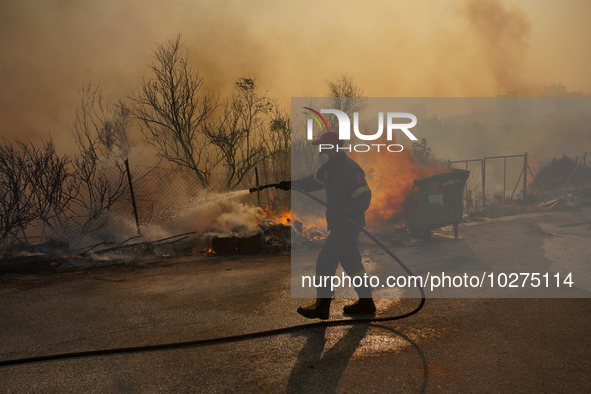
[(347, 192)]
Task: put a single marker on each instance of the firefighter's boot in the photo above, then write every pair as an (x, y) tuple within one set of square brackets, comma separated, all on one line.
[(318, 310), (363, 306)]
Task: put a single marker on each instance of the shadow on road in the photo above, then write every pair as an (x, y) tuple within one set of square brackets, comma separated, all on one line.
[(318, 372), (425, 366)]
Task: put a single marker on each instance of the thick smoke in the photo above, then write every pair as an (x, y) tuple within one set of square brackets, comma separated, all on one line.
[(504, 34), (424, 48)]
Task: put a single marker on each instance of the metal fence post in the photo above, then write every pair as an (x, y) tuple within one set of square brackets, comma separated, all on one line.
[(137, 221), (256, 176), (525, 177), (483, 161), (504, 178)]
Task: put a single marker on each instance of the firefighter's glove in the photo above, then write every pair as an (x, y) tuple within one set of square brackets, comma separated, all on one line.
[(284, 185)]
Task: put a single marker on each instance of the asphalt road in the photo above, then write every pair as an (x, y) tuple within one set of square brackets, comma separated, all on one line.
[(452, 345)]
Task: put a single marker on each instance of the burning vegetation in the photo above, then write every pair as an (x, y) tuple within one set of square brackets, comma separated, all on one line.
[(391, 177), (267, 231), (95, 203)]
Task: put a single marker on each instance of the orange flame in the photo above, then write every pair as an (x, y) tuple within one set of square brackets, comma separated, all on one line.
[(204, 247), (308, 224), (310, 234), (390, 177), (283, 216)]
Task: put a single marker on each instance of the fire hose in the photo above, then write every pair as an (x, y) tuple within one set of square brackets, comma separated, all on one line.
[(239, 337), (259, 188)]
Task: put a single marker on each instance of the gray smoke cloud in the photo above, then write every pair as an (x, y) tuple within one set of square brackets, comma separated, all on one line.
[(504, 33), (50, 49)]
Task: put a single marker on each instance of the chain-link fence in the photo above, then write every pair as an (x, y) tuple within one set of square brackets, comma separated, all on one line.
[(163, 200), (115, 203), (494, 180)]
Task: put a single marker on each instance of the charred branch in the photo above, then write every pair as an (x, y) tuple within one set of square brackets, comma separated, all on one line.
[(174, 111)]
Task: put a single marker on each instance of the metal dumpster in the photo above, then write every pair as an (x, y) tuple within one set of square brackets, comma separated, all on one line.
[(440, 202)]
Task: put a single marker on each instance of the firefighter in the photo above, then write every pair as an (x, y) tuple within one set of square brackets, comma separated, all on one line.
[(347, 194)]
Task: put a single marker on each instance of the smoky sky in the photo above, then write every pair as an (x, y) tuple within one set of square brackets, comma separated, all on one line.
[(51, 49)]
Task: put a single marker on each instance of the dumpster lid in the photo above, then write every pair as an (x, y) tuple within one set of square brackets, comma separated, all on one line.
[(454, 173)]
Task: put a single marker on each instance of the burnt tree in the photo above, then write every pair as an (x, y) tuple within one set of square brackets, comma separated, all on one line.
[(173, 110)]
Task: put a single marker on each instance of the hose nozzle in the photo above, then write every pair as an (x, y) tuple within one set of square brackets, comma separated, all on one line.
[(259, 188)]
